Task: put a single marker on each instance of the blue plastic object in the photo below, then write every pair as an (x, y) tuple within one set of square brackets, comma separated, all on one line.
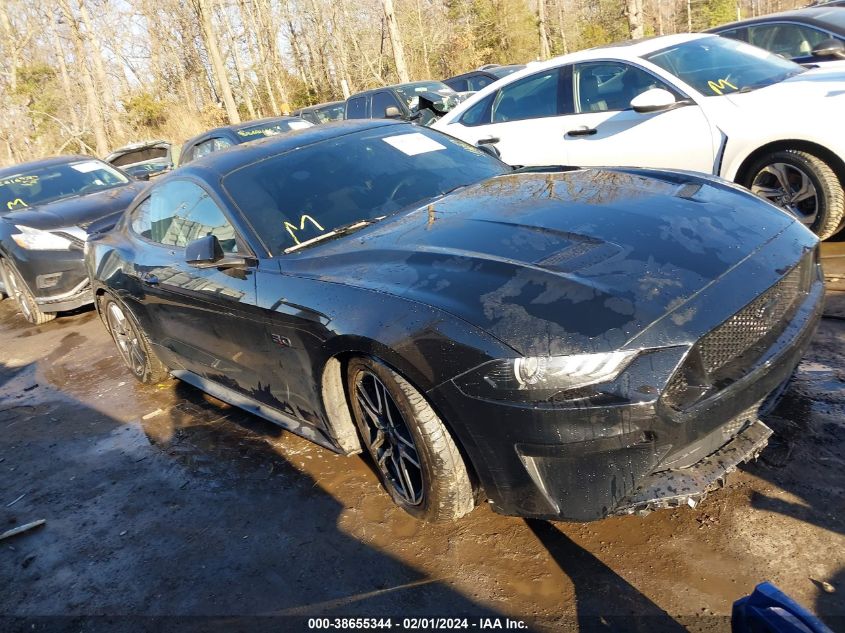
[(769, 610)]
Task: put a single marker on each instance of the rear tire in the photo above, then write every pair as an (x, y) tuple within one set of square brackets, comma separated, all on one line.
[(17, 289), (416, 458), (803, 184), (132, 343)]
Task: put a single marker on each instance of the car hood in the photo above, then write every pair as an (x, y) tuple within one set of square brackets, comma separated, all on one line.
[(556, 262), (94, 211)]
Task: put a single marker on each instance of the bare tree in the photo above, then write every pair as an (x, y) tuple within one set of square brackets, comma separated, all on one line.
[(396, 41), (205, 13)]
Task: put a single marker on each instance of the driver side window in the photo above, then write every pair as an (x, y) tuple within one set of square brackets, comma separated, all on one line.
[(181, 211), (610, 86)]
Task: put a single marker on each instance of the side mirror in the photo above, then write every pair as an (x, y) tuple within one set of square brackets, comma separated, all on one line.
[(491, 149), (830, 48), (204, 252), (392, 112), (654, 100)]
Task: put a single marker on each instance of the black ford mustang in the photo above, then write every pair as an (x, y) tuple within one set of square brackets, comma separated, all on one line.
[(567, 344), (47, 208)]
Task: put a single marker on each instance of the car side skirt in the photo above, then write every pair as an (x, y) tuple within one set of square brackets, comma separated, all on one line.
[(237, 399)]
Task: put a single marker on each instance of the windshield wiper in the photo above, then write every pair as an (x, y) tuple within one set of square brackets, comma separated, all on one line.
[(342, 230)]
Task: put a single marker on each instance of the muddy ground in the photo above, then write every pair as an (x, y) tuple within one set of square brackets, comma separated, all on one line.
[(161, 502)]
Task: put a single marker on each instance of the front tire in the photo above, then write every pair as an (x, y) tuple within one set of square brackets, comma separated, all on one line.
[(415, 456), (17, 289), (132, 343), (803, 184)]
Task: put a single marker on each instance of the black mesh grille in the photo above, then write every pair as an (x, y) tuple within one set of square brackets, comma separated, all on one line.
[(744, 329), (732, 348)]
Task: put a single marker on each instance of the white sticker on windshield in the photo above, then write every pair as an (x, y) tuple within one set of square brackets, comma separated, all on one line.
[(299, 125), (87, 166), (414, 143)]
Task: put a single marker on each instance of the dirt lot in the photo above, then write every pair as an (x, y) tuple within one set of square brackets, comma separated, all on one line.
[(162, 502)]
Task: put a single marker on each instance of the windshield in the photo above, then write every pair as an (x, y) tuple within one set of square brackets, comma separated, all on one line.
[(717, 65), (310, 191), (271, 128), (48, 184), (411, 92)]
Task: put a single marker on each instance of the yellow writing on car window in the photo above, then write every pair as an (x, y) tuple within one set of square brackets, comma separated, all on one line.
[(24, 181), (17, 202), (720, 85), (292, 228)]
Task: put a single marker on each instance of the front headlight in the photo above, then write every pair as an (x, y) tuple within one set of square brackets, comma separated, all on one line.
[(542, 377), (38, 240)]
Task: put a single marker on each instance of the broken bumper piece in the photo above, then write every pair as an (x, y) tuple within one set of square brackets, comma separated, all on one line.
[(689, 486)]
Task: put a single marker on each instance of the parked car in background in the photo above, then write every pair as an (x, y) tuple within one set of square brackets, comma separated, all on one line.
[(814, 35), (47, 209), (475, 80), (322, 113), (573, 343), (143, 159), (699, 102), (419, 101), (223, 137)]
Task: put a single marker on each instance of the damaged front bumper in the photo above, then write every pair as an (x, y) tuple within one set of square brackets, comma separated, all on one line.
[(689, 486)]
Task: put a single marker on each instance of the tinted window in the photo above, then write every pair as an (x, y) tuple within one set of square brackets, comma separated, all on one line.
[(330, 113), (603, 86), (477, 82), (140, 219), (529, 98), (479, 114), (203, 149), (740, 33), (181, 211), (717, 65), (307, 192), (458, 85), (137, 156), (788, 40), (356, 108), (382, 101), (47, 184)]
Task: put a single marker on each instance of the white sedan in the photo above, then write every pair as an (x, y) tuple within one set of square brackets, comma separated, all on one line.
[(695, 101)]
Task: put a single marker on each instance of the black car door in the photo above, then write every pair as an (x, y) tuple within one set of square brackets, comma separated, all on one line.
[(203, 319)]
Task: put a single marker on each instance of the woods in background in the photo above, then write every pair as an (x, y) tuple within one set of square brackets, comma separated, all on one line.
[(89, 75)]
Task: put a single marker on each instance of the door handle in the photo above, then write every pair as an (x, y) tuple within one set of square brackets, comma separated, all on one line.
[(582, 131), (149, 279), (490, 140)]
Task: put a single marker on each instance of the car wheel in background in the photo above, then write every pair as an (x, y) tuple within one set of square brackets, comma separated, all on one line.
[(17, 289), (132, 344), (804, 185), (415, 455)]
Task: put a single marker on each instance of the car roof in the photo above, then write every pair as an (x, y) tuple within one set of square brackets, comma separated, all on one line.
[(809, 15), (320, 106), (217, 164), (44, 162), (484, 72), (238, 126)]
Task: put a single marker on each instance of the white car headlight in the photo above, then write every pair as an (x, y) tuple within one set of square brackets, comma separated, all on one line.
[(569, 372), (37, 240), (538, 378)]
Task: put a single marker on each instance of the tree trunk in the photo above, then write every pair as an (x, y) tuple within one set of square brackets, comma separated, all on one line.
[(101, 139), (541, 27), (561, 27), (11, 40), (205, 13), (396, 41), (66, 85), (109, 100), (634, 11), (242, 76)]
